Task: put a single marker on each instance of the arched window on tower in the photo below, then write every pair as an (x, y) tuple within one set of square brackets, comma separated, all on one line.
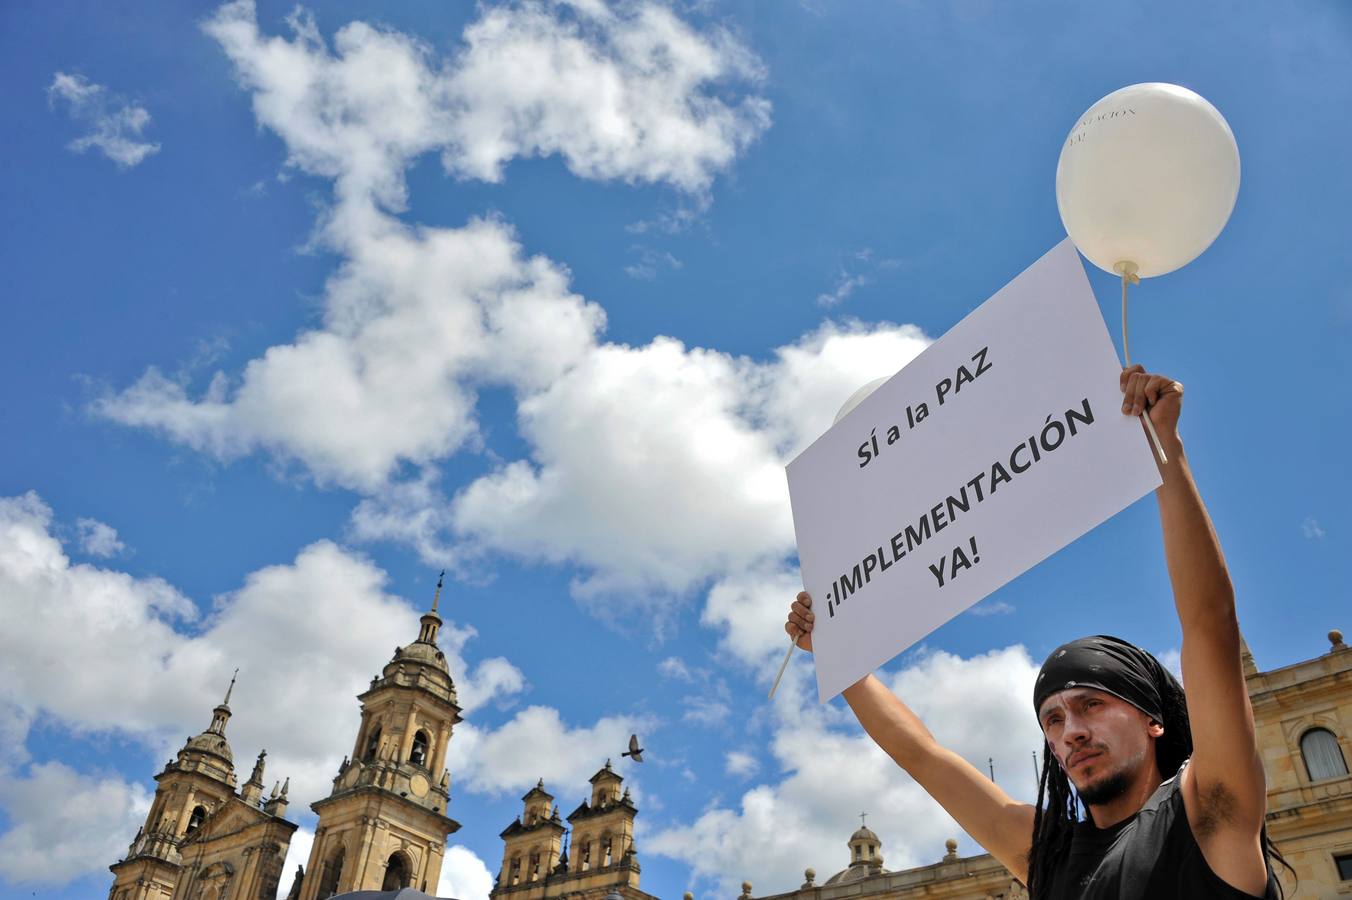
[(1323, 756), (332, 870), (372, 745), (397, 873), (199, 815), (514, 871), (606, 850), (418, 756)]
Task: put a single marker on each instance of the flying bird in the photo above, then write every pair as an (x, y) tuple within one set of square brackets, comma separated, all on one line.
[(634, 749)]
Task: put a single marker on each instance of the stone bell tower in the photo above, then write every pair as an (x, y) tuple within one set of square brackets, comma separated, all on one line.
[(384, 826), (603, 833), (533, 843), (190, 788), (200, 834)]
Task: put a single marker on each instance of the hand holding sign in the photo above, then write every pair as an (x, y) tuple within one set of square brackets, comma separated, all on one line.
[(799, 625)]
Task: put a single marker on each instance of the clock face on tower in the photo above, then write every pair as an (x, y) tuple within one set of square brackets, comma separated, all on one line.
[(418, 785)]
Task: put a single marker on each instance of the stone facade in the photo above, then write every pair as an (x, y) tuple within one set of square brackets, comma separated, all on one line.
[(535, 863), (1303, 714), (1304, 717)]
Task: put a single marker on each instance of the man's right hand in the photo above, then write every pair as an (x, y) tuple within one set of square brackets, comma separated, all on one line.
[(799, 625)]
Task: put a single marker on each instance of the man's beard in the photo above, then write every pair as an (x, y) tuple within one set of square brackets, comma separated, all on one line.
[(1106, 790)]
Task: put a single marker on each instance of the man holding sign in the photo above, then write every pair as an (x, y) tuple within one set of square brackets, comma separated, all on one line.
[(1174, 786)]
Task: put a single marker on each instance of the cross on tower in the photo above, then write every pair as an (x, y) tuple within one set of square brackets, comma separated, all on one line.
[(863, 819)]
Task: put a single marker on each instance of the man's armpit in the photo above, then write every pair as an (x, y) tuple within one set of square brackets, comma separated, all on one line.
[(1216, 808)]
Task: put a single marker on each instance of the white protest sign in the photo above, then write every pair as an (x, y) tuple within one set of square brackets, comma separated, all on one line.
[(997, 446)]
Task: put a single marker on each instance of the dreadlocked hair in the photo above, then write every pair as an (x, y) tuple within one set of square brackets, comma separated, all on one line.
[(1058, 805)]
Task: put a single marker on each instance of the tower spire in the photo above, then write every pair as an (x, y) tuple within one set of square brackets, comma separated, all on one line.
[(427, 634), (221, 714), (229, 690)]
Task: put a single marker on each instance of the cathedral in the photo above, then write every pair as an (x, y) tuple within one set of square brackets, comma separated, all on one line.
[(385, 823)]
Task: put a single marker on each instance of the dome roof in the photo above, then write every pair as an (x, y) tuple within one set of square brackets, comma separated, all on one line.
[(864, 834), (853, 873), (213, 743), (422, 652)]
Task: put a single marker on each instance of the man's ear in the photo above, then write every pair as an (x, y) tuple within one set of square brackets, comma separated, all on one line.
[(1155, 729)]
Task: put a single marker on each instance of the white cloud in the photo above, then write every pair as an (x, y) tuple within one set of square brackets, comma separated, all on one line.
[(1312, 529), (979, 707), (704, 710), (649, 263), (992, 608), (674, 667), (98, 539), (115, 123), (859, 271), (415, 319), (626, 92), (741, 765), (619, 91), (464, 875), (675, 454), (749, 609), (289, 628), (648, 442), (536, 743), (65, 824), (846, 284)]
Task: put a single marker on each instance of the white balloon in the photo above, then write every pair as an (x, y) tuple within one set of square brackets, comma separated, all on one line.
[(858, 397), (1148, 175)]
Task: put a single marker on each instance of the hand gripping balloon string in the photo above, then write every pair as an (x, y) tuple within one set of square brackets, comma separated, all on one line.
[(793, 642), (1129, 276)]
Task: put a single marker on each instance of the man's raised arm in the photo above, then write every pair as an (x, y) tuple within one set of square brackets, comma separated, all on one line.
[(994, 820), (1224, 789)]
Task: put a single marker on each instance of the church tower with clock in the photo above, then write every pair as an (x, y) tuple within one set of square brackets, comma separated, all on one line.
[(384, 826)]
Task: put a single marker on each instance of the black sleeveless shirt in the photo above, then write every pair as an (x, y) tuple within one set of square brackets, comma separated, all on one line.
[(1150, 856)]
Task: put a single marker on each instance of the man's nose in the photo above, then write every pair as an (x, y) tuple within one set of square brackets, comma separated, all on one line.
[(1075, 731)]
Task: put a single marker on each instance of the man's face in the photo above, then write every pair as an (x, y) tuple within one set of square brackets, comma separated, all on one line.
[(1102, 742)]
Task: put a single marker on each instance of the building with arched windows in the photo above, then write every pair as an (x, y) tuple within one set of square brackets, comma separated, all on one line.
[(384, 825), (1304, 717)]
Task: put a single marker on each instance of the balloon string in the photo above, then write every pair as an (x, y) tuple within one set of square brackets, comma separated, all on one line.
[(1126, 355), (1126, 345)]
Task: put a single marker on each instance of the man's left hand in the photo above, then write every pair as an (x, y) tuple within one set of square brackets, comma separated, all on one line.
[(1159, 395)]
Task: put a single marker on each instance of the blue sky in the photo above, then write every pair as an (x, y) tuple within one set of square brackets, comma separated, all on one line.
[(546, 295)]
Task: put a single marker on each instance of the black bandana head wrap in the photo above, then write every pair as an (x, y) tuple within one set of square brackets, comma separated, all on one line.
[(1108, 664)]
